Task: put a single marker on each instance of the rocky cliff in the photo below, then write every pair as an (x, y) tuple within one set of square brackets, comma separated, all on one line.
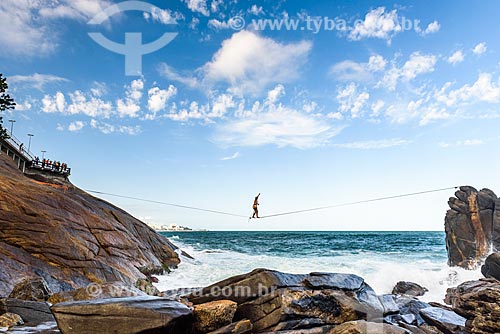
[(56, 231), (472, 226)]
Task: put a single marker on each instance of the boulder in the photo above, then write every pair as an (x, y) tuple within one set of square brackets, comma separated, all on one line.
[(33, 289), (491, 267), (59, 232), (479, 303), (10, 320), (364, 327), (447, 321), (240, 327), (213, 315), (33, 313), (97, 291), (409, 288), (122, 316), (471, 226), (275, 301)]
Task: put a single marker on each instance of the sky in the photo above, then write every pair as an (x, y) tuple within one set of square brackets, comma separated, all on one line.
[(309, 103)]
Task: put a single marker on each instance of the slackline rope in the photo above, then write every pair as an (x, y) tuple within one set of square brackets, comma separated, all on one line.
[(359, 202), (276, 214), (169, 204)]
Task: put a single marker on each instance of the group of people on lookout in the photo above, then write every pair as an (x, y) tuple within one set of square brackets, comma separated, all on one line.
[(47, 164)]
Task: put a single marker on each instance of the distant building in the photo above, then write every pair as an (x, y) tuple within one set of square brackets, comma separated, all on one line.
[(174, 227)]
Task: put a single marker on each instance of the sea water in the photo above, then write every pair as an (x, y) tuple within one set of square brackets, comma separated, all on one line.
[(381, 258)]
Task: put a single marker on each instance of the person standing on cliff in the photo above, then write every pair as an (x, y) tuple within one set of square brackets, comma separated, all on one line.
[(256, 207)]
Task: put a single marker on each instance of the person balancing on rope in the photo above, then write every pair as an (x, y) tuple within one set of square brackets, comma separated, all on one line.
[(256, 207)]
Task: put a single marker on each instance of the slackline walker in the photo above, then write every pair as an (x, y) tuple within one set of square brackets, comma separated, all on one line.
[(256, 203)]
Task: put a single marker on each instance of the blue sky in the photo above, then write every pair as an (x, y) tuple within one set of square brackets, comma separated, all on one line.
[(347, 101)]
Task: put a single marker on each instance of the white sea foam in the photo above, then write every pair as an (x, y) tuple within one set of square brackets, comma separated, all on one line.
[(381, 271)]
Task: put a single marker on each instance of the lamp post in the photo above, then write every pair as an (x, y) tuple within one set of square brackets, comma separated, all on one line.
[(43, 154), (12, 121), (29, 143)]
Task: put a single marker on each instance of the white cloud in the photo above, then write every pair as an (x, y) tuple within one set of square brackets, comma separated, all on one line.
[(198, 6), (376, 107), (158, 98), (220, 25), (350, 101), (374, 144), (275, 94), (24, 106), (416, 65), (480, 49), (249, 63), (377, 24), (256, 10), (130, 106), (432, 28), (76, 126), (484, 90), (215, 5), (107, 128), (222, 104), (232, 157), (53, 104), (164, 16), (79, 103), (456, 57), (36, 80), (29, 27), (349, 70)]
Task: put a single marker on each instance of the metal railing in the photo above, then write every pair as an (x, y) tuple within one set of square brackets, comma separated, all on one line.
[(16, 143)]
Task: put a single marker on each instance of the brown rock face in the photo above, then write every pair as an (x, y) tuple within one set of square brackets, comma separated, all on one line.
[(479, 303), (472, 225), (213, 315), (70, 238)]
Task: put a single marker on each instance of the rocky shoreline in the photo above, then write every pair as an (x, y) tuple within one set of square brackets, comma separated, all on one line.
[(72, 263)]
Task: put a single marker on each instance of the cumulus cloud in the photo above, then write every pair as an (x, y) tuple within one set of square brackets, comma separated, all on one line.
[(164, 16), (480, 49), (349, 70), (432, 28), (416, 65), (158, 99), (36, 80), (377, 24), (130, 106), (483, 90), (76, 126), (456, 58), (198, 6), (256, 10), (351, 101), (249, 63), (170, 73)]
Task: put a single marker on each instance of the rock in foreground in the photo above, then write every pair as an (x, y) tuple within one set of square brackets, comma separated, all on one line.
[(122, 316)]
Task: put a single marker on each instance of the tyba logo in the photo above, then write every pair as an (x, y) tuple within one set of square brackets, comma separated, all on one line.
[(133, 49)]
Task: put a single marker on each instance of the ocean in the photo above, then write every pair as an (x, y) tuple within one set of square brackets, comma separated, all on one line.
[(381, 258)]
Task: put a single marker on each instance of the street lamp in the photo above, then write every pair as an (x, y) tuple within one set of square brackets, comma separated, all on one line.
[(29, 144), (12, 121), (43, 154)]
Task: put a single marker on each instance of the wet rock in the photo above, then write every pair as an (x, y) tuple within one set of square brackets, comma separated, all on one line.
[(318, 281), (471, 226), (213, 315), (240, 327), (122, 316), (33, 313), (409, 311), (479, 303), (315, 330), (364, 327), (447, 321), (491, 267), (10, 320), (34, 289), (389, 305), (409, 288)]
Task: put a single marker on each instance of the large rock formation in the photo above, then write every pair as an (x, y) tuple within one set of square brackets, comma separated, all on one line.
[(472, 226), (479, 303), (56, 231)]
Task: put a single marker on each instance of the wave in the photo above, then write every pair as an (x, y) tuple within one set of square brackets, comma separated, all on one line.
[(380, 270)]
